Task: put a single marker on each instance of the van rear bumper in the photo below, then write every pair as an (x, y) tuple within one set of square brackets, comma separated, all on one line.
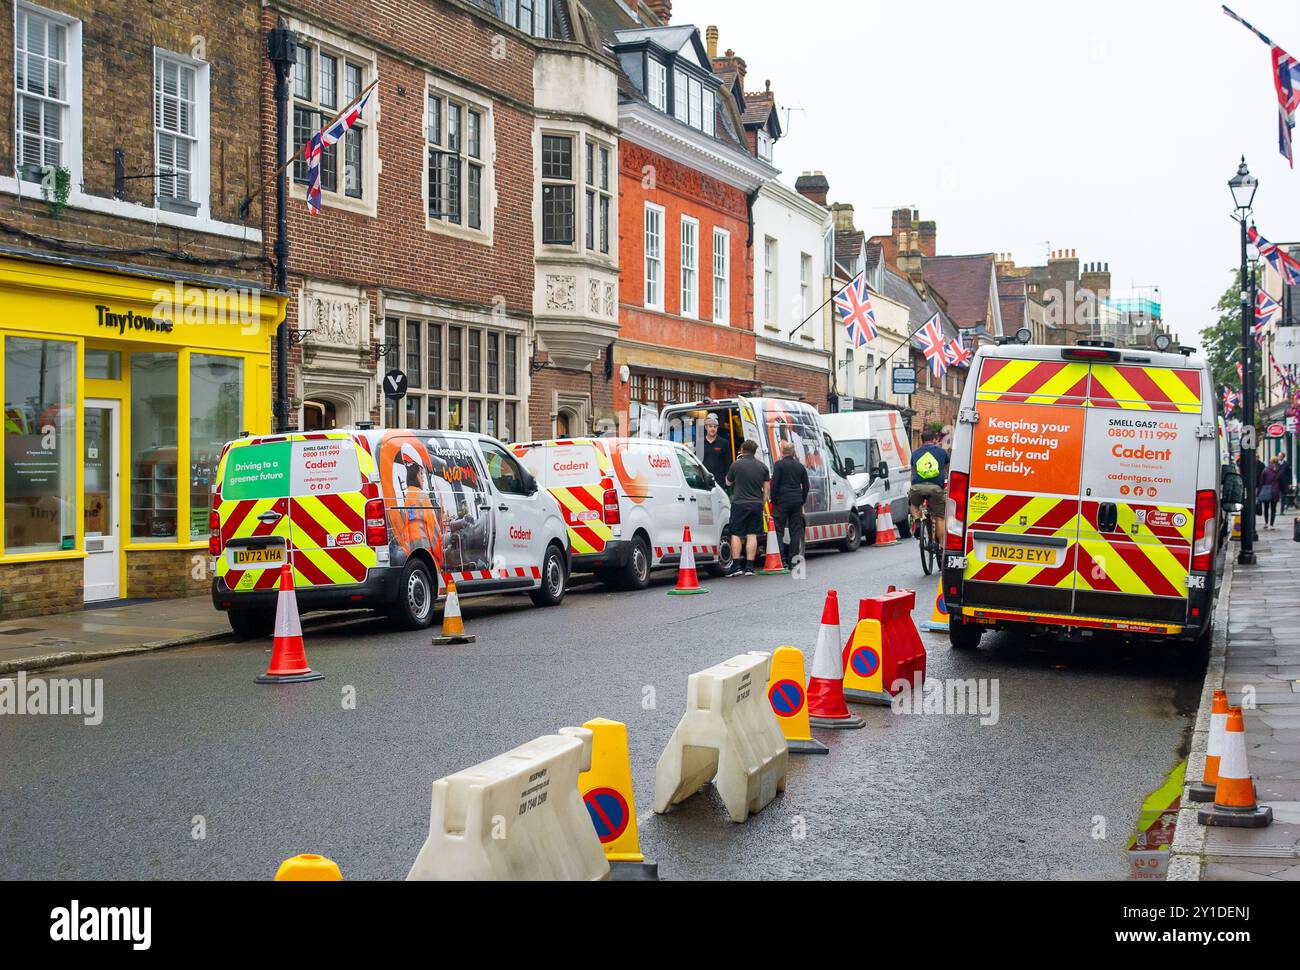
[(615, 555), (379, 589)]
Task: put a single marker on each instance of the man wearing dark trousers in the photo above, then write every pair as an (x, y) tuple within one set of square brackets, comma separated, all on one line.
[(749, 480), (790, 487)]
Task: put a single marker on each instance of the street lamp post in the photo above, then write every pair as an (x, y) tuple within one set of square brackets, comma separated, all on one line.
[(280, 51), (1243, 186)]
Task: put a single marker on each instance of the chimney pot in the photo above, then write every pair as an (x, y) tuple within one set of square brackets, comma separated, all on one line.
[(711, 40)]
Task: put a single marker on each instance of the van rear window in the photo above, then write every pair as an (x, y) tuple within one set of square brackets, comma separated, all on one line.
[(279, 468), (564, 465)]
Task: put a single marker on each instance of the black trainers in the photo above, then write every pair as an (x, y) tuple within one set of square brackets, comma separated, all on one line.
[(749, 570)]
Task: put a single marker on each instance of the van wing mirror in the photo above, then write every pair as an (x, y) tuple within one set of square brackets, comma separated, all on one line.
[(530, 483), (882, 471)]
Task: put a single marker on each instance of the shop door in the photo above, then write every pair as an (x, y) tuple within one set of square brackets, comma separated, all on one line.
[(102, 508)]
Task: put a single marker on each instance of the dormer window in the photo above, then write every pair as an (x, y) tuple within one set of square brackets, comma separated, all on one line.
[(764, 145), (657, 88), (530, 16)]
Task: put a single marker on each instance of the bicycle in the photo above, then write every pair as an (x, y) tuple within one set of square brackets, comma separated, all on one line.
[(927, 541)]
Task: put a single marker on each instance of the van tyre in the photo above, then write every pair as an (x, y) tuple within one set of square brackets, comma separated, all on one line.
[(722, 567), (964, 636), (636, 574), (555, 577), (252, 624), (413, 609), (853, 541)]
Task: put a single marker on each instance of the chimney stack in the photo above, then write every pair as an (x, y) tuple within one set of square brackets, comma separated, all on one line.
[(843, 215), (662, 9), (711, 41), (813, 186), (929, 238), (730, 62)]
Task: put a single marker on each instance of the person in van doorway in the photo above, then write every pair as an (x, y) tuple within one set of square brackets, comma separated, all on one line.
[(716, 452), (790, 488), (929, 480), (1270, 491), (749, 480)]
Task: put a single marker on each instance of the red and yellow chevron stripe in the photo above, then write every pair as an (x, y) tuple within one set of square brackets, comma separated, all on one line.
[(1145, 388), (1027, 515), (1033, 382), (583, 508), (1136, 558)]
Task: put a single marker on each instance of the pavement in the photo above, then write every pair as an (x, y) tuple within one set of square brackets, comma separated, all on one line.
[(1257, 661), (196, 772)]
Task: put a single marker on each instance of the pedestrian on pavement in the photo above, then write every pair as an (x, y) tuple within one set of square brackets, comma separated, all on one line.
[(790, 488), (1285, 482), (749, 479), (1270, 491), (716, 452)]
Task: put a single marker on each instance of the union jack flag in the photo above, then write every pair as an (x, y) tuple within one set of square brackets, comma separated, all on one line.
[(1265, 307), (1283, 263), (956, 354), (1230, 398), (934, 345), (854, 304), (323, 139), (1286, 81)]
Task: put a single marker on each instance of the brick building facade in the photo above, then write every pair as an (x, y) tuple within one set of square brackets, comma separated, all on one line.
[(124, 260)]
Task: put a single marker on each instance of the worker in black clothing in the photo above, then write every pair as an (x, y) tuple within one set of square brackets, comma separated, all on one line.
[(716, 453), (790, 488)]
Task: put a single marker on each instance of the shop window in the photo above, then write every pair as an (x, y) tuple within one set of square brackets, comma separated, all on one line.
[(153, 447), (216, 416), (40, 440)]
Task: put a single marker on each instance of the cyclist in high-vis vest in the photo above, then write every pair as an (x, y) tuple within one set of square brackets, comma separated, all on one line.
[(929, 484)]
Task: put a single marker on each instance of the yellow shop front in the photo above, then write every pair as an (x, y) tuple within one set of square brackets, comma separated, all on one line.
[(119, 390)]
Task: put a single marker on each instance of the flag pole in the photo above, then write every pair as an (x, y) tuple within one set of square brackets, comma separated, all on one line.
[(243, 206)]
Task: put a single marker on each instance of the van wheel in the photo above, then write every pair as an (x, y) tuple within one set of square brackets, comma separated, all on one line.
[(252, 624), (853, 541), (636, 574), (413, 609), (722, 567), (964, 636), (555, 578)]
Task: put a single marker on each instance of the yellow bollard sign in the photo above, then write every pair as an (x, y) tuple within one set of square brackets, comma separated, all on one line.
[(308, 868), (607, 792), (789, 701), (863, 667)]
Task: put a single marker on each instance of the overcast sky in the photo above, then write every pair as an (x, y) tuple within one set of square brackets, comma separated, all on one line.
[(1106, 126)]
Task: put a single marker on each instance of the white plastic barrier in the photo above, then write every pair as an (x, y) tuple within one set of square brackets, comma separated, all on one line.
[(729, 735), (518, 816)]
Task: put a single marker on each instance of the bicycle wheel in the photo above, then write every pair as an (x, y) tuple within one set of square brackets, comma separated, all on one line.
[(927, 544)]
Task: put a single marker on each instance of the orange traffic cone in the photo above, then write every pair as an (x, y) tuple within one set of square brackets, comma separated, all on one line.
[(453, 627), (888, 536), (288, 659), (826, 705), (688, 581), (772, 564), (1203, 790), (1234, 798)]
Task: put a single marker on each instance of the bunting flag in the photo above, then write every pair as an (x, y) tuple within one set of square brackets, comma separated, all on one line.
[(1286, 83), (1283, 263), (1230, 398), (856, 312), (1241, 380), (330, 135), (934, 345)]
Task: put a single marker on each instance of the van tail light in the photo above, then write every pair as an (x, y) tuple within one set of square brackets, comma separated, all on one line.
[(376, 523), (1203, 532), (611, 510), (958, 482), (214, 528)]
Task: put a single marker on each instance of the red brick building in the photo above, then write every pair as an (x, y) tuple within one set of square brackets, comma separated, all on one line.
[(432, 266), (687, 183)]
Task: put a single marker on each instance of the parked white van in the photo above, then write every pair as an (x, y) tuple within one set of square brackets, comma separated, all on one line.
[(626, 503), (830, 512), (874, 448)]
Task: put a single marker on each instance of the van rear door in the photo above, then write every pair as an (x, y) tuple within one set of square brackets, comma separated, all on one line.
[(576, 473), (327, 511), (1025, 479), (1139, 492)]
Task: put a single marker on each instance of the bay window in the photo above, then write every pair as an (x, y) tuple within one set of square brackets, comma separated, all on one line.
[(558, 191)]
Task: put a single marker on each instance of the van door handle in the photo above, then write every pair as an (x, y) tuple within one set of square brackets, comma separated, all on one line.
[(682, 498), (503, 508)]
